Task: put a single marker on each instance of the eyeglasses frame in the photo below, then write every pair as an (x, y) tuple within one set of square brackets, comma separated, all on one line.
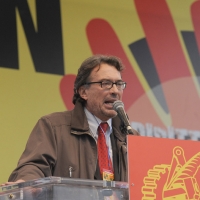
[(100, 82)]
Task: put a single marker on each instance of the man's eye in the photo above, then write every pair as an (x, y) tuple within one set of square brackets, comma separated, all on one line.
[(106, 83), (120, 83)]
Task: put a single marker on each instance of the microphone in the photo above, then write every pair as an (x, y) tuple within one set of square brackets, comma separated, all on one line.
[(118, 106)]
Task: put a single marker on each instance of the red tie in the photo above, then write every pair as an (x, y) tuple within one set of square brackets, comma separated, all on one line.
[(104, 160)]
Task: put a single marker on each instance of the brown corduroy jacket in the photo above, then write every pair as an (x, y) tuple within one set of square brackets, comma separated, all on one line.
[(61, 145)]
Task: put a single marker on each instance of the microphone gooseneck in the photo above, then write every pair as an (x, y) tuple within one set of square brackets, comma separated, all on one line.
[(118, 106)]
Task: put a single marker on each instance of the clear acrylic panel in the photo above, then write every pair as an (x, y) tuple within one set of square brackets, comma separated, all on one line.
[(57, 188)]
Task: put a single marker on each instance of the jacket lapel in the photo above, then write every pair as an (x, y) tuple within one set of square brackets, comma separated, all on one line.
[(118, 140)]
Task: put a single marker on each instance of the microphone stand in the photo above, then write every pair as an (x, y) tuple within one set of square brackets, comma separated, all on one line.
[(126, 130)]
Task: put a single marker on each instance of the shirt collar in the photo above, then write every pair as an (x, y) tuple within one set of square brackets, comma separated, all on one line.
[(94, 122)]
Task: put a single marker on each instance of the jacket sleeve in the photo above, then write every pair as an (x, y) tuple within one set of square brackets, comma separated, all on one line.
[(39, 157)]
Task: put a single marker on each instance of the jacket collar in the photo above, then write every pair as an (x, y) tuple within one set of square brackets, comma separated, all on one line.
[(79, 119), (116, 122), (79, 123)]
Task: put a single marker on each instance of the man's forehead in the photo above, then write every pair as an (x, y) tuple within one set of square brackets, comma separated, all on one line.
[(107, 75)]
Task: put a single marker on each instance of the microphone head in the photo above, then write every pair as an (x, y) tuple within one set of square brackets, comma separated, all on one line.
[(117, 104)]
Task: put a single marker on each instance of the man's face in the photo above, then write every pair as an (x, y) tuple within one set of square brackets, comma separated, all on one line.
[(99, 101)]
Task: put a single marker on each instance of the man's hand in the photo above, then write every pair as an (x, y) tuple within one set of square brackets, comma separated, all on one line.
[(11, 183)]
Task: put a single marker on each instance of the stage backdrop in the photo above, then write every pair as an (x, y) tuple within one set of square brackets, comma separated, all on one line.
[(43, 42)]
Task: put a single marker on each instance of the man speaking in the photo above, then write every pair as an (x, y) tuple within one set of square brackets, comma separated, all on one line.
[(86, 142)]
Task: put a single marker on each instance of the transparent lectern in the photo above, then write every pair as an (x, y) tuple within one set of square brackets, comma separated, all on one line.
[(57, 188)]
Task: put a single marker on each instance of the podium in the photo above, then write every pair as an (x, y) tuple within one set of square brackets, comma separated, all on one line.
[(163, 169), (57, 188)]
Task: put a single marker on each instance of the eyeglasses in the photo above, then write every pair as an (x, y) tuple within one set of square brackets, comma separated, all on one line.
[(109, 84)]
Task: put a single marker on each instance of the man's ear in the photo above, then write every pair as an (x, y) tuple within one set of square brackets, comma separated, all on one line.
[(82, 92)]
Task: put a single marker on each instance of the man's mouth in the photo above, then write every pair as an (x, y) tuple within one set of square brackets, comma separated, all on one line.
[(110, 103)]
